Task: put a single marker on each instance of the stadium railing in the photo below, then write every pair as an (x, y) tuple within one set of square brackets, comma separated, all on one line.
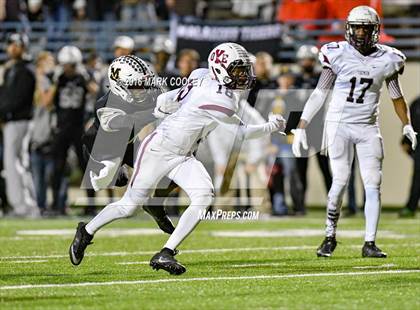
[(99, 36)]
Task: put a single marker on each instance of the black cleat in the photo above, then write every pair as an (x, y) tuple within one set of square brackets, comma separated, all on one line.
[(371, 250), (161, 218), (165, 260), (81, 240), (327, 247)]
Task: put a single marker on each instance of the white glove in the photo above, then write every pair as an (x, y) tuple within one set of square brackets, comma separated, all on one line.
[(279, 123), (105, 115), (409, 132), (106, 174), (165, 107), (298, 141)]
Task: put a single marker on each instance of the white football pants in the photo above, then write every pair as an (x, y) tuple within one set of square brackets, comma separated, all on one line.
[(154, 162), (342, 140)]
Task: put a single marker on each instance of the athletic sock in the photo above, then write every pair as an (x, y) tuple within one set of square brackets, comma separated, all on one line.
[(372, 212)]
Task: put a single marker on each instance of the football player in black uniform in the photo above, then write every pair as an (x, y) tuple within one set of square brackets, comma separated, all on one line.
[(111, 141)]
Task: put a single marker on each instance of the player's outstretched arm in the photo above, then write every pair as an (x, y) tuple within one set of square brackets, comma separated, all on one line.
[(312, 106), (276, 123), (166, 104), (401, 108)]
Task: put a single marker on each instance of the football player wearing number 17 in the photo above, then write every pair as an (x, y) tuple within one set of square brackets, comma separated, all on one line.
[(210, 99), (354, 71)]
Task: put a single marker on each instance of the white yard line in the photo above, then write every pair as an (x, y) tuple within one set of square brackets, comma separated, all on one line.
[(199, 251), (174, 280), (375, 267), (133, 263), (257, 265), (25, 261)]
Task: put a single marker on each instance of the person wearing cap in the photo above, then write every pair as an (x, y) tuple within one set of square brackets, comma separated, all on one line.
[(69, 102), (307, 79), (16, 105), (123, 46), (163, 49)]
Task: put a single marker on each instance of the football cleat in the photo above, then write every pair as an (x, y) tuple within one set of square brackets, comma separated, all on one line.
[(165, 260), (81, 240), (161, 218), (327, 247), (371, 250)]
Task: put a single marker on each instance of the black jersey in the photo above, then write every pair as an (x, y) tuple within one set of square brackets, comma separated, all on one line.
[(121, 142), (70, 99)]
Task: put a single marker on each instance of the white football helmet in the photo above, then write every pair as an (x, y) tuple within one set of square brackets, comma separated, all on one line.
[(130, 77), (231, 65), (366, 17), (69, 54), (307, 51)]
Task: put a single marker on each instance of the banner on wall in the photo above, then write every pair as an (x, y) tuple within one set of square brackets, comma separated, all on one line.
[(203, 37)]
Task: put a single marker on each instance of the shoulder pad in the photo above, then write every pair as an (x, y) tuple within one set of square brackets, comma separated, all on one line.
[(329, 52)]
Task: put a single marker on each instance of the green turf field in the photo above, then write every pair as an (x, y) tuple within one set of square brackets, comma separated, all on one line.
[(265, 264)]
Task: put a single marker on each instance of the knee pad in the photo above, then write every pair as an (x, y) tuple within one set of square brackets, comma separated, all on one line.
[(372, 178), (129, 203), (202, 200)]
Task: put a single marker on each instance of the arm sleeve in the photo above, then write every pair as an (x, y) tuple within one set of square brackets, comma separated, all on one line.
[(235, 125), (319, 95), (394, 87)]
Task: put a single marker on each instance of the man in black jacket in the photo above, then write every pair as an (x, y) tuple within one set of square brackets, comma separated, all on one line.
[(16, 96), (413, 200)]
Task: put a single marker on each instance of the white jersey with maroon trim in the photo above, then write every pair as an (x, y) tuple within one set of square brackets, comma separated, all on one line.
[(355, 96), (204, 103)]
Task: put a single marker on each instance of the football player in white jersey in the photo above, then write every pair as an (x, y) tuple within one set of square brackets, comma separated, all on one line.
[(354, 71), (209, 100)]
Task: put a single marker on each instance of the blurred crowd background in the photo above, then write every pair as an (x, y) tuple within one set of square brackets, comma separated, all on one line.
[(55, 56)]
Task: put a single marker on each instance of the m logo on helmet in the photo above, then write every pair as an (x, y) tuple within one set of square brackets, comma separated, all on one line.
[(115, 74)]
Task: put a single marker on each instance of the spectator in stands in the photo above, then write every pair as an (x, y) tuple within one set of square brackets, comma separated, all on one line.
[(413, 200), (102, 10), (16, 108), (142, 11), (340, 10), (188, 60), (78, 25), (285, 165), (69, 101), (292, 10), (12, 10), (123, 45), (180, 11), (41, 128), (163, 49), (59, 11), (263, 65), (260, 9), (306, 81), (36, 11)]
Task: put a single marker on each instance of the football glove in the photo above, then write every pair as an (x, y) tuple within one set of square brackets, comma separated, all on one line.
[(105, 116), (299, 141), (278, 121), (106, 174), (409, 132)]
